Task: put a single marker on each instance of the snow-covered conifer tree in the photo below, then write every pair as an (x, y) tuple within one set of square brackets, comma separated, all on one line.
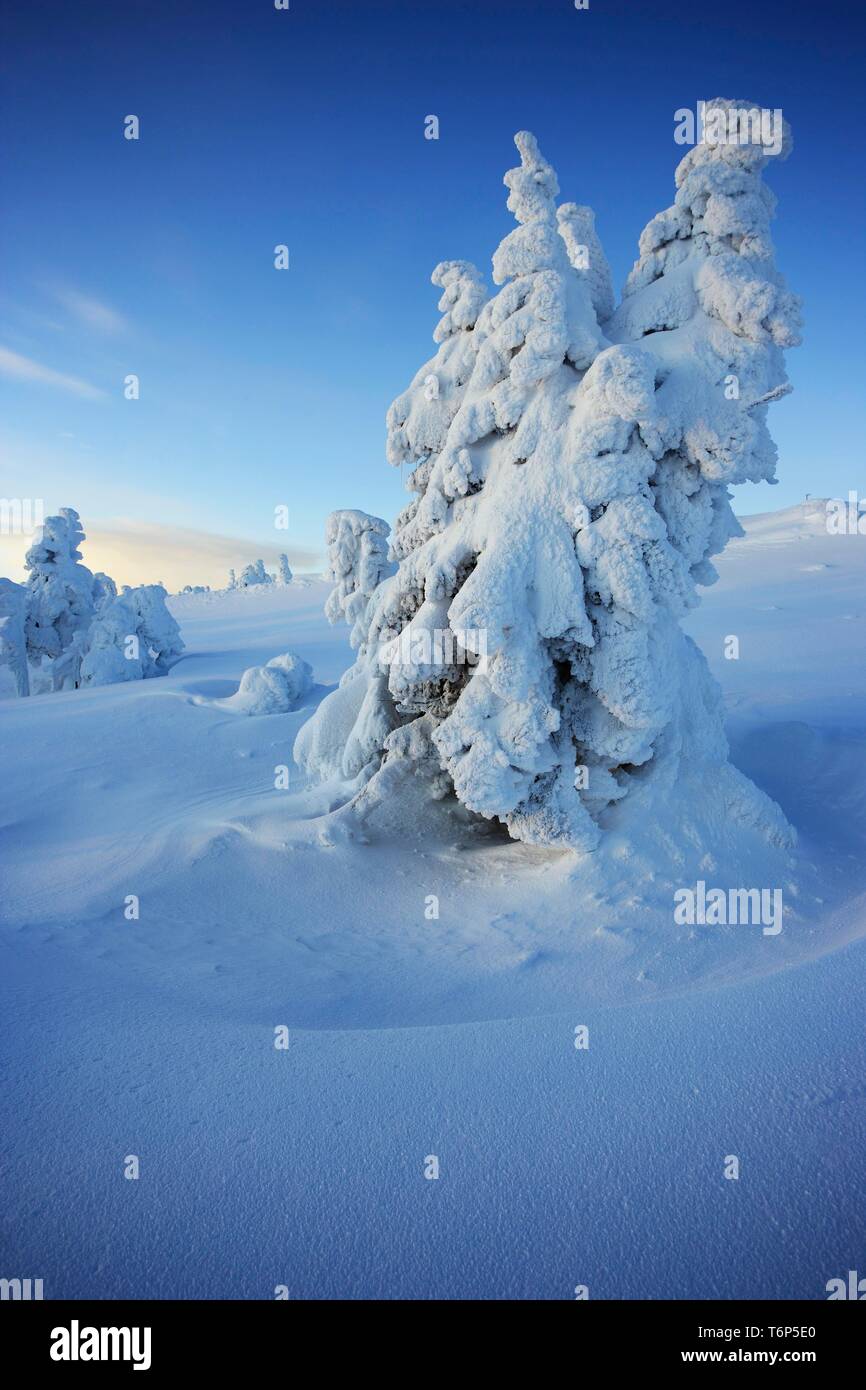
[(285, 573), (253, 574), (14, 673), (133, 637), (60, 601), (74, 626), (570, 494), (352, 722), (357, 564)]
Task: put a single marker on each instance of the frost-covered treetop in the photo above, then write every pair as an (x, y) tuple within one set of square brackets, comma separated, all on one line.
[(533, 185), (722, 212), (577, 229), (60, 589), (719, 146), (57, 541), (534, 244)]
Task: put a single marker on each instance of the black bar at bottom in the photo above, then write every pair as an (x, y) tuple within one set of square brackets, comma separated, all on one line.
[(167, 1338)]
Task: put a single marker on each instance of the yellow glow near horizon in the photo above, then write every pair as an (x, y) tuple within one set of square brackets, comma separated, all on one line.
[(145, 553)]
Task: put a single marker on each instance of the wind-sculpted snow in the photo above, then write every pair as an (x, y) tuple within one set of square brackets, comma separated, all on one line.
[(571, 465), (271, 899)]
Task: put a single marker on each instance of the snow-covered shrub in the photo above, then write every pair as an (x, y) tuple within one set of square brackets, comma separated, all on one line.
[(133, 637), (571, 469), (14, 674), (274, 688)]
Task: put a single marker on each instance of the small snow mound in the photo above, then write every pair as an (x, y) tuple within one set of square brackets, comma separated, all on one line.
[(272, 689)]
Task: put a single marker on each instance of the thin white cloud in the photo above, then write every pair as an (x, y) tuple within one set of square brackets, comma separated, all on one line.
[(19, 368), (91, 312)]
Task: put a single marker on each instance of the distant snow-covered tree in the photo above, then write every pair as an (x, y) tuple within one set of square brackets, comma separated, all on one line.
[(60, 601), (14, 674), (253, 574), (132, 637), (284, 571), (75, 627)]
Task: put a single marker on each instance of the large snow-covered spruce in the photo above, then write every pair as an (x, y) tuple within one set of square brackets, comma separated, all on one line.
[(571, 465)]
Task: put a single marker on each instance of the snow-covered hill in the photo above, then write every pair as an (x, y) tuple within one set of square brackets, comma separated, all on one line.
[(414, 1034)]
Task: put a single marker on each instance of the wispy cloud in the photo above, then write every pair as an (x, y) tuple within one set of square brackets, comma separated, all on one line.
[(19, 368), (91, 312)]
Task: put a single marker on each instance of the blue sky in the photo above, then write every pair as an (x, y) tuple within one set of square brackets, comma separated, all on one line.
[(306, 127)]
